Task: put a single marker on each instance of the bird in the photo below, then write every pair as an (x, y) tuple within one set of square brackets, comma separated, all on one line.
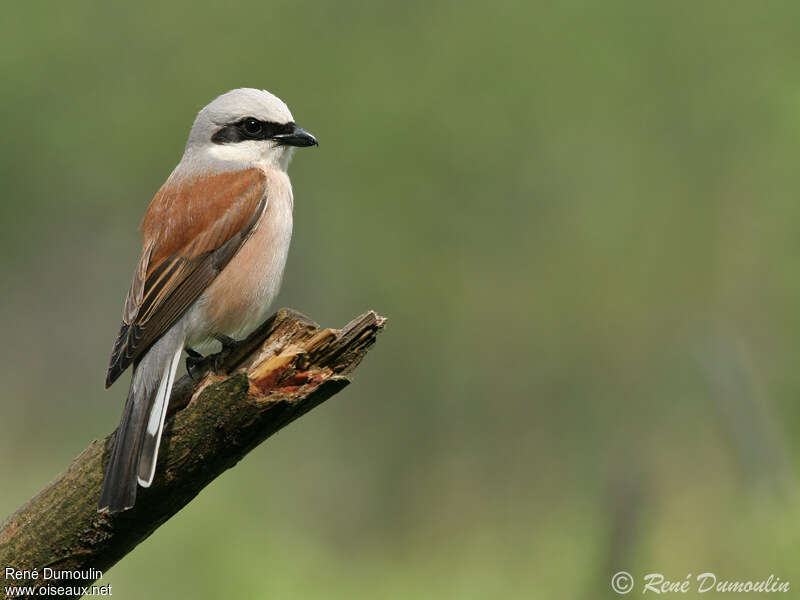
[(215, 239)]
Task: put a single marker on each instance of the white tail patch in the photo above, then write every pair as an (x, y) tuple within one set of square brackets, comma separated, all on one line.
[(155, 424)]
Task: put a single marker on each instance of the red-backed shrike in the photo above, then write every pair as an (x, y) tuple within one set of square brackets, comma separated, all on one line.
[(215, 239)]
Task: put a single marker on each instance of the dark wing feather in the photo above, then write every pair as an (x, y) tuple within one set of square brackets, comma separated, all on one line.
[(192, 230)]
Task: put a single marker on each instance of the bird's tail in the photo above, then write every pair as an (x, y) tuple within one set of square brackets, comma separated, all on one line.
[(133, 457)]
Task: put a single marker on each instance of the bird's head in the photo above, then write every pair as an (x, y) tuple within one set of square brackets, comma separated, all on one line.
[(249, 126)]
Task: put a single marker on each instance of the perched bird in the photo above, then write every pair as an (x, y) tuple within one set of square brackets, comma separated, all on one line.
[(215, 240)]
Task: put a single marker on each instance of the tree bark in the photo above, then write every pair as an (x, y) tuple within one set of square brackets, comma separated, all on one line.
[(283, 370)]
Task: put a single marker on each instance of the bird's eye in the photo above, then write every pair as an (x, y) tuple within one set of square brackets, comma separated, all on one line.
[(252, 127)]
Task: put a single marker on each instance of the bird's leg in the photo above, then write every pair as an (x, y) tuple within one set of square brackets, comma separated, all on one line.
[(228, 346), (193, 363), (226, 341)]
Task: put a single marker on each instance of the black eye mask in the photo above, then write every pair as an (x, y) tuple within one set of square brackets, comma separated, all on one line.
[(251, 128)]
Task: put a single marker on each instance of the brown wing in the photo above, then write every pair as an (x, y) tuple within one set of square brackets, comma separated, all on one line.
[(191, 231)]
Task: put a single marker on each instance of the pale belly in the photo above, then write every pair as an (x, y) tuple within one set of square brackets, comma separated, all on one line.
[(239, 299)]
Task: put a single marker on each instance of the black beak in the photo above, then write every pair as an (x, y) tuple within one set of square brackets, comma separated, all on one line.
[(296, 137)]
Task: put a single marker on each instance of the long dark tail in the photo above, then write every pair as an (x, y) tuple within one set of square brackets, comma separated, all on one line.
[(139, 434)]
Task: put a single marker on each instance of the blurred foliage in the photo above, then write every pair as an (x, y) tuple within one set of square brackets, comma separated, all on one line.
[(580, 218)]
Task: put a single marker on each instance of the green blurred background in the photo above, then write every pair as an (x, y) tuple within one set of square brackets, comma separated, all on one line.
[(580, 218)]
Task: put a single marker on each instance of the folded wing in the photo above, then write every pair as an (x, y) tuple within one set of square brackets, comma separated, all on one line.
[(192, 229)]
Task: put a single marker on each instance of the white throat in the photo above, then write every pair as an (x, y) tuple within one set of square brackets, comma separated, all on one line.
[(253, 153)]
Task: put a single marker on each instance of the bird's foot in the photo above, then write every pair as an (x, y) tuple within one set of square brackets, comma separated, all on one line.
[(228, 346), (198, 365), (194, 364)]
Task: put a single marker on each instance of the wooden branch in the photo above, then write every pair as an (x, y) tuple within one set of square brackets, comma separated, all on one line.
[(283, 370)]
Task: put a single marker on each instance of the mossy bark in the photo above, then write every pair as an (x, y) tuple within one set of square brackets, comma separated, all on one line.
[(280, 372)]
